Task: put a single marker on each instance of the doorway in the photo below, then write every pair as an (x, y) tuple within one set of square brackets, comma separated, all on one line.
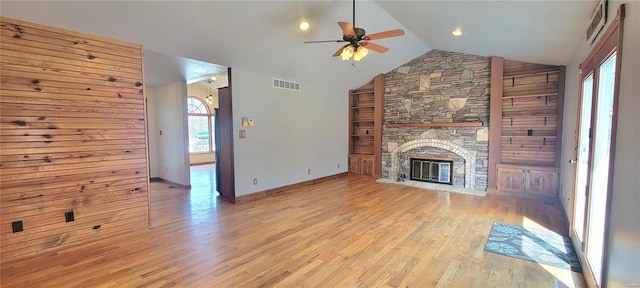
[(210, 123), (594, 154), (202, 105)]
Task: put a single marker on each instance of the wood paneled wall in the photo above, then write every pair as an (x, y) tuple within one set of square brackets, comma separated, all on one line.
[(531, 114), (72, 138)]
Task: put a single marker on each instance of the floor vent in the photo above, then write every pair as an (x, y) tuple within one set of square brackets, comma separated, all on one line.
[(287, 85)]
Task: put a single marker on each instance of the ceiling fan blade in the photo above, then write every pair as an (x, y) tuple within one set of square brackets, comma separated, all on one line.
[(339, 51), (347, 29), (385, 34), (325, 41), (374, 47)]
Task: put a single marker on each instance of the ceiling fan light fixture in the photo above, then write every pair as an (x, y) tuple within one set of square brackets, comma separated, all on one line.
[(361, 52), (347, 52), (357, 39), (209, 99)]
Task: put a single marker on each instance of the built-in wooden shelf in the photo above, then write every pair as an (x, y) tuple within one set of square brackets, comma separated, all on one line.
[(459, 124), (360, 92), (528, 137), (526, 128), (529, 95), (531, 74), (365, 127)]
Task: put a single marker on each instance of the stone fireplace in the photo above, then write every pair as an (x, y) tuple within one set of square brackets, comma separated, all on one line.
[(437, 105), (399, 154)]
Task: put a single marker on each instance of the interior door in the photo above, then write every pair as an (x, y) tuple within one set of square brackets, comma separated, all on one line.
[(217, 145), (225, 175)]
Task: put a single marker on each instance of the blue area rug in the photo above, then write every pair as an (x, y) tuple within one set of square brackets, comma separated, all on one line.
[(533, 244)]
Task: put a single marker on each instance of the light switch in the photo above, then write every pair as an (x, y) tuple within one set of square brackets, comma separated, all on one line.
[(243, 134), (250, 122)]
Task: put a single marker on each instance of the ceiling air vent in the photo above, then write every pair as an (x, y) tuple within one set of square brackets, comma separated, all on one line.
[(287, 85)]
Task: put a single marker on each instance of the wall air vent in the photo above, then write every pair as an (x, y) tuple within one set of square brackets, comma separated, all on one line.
[(287, 85)]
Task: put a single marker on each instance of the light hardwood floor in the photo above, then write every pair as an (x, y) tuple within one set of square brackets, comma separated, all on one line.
[(349, 232)]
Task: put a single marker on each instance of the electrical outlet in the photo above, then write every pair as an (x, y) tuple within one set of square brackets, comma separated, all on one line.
[(255, 181), (68, 216), (338, 165), (16, 226), (309, 171)]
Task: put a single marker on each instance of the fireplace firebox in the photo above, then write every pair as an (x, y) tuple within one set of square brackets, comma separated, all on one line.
[(427, 169)]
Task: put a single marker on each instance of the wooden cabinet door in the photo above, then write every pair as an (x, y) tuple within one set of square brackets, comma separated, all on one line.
[(511, 180), (543, 183), (354, 165), (367, 166)]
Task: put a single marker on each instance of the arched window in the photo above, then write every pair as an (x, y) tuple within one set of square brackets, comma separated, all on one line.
[(199, 116)]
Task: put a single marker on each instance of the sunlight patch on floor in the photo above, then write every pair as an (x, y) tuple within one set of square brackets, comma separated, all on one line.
[(565, 277)]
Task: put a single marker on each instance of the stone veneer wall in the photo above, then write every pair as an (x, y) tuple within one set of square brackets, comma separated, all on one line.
[(437, 87)]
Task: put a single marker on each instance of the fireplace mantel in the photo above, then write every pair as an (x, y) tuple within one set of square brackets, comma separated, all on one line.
[(445, 124)]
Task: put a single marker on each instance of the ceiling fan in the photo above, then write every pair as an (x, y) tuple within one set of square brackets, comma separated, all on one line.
[(359, 44)]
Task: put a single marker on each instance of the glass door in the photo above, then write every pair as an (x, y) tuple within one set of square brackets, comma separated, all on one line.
[(599, 180), (594, 154), (582, 158), (595, 132)]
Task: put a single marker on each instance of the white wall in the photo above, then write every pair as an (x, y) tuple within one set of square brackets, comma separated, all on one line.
[(624, 227), (293, 132), (152, 131), (172, 145)]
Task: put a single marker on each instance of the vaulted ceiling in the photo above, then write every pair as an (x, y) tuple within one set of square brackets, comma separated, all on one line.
[(262, 35)]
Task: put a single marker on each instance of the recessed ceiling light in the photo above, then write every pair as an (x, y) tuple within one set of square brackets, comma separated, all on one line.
[(457, 32), (304, 25)]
